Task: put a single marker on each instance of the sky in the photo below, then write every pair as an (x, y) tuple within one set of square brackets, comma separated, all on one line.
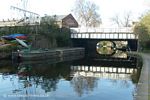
[(107, 8)]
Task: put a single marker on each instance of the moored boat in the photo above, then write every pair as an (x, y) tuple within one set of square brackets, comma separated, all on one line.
[(31, 55)]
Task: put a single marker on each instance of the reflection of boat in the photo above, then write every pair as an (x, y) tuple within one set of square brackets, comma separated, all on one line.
[(50, 61), (6, 67)]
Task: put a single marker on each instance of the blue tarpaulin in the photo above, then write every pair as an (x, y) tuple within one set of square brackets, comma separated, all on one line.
[(13, 36)]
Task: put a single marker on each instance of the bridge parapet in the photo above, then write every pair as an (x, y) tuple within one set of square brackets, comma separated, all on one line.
[(103, 30), (104, 33), (104, 36)]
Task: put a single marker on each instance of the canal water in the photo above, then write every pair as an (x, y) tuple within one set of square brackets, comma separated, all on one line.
[(80, 79)]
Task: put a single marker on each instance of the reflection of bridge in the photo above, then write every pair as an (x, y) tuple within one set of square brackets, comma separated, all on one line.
[(105, 68), (103, 72), (90, 37)]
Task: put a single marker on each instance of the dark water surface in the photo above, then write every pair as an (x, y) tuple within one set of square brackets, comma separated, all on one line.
[(84, 79)]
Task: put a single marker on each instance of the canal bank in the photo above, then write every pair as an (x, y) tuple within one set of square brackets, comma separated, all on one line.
[(143, 92)]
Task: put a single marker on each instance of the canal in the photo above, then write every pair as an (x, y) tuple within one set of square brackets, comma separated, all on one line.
[(70, 79)]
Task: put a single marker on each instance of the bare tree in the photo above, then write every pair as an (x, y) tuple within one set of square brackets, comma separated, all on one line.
[(124, 21), (86, 12), (127, 19), (116, 20)]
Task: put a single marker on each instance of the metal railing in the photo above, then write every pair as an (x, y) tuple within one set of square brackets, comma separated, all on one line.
[(103, 30), (104, 33)]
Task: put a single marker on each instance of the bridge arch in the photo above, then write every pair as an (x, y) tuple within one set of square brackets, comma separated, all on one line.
[(106, 47)]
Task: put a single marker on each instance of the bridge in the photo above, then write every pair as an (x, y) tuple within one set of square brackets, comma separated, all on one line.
[(112, 40), (104, 33)]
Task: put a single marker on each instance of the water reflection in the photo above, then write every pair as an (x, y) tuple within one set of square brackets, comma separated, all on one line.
[(83, 84), (93, 74), (84, 79), (45, 75)]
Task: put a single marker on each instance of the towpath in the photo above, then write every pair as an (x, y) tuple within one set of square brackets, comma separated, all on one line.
[(143, 90)]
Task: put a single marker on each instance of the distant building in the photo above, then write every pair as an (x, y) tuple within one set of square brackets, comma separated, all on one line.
[(67, 21), (17, 22), (8, 22)]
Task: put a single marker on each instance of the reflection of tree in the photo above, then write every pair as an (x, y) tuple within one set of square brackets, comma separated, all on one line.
[(49, 84), (136, 75), (126, 83), (83, 84), (44, 75), (46, 84), (120, 54), (122, 83)]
